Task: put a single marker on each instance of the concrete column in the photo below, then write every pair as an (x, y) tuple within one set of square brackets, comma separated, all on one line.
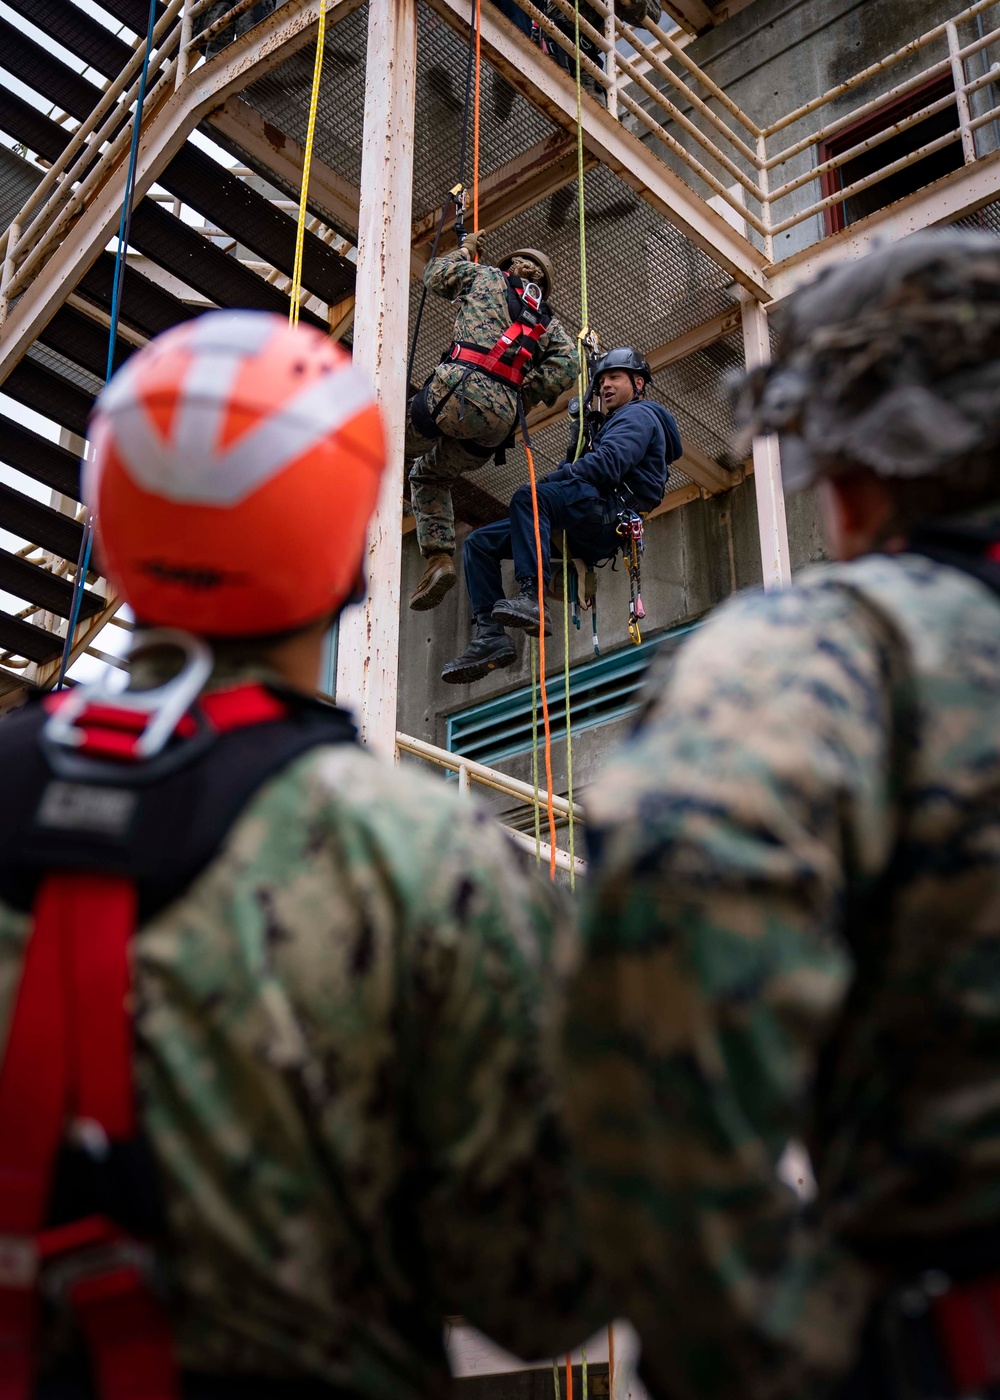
[(774, 555), (368, 650)]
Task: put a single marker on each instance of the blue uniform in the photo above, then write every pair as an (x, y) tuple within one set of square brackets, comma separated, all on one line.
[(628, 466)]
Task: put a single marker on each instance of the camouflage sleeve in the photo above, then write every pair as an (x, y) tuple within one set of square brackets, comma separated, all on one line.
[(724, 840), (501, 1233), (451, 275), (555, 372)]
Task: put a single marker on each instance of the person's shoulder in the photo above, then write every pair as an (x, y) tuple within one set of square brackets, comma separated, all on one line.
[(412, 825)]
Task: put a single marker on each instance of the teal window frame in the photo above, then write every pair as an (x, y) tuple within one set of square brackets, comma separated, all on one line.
[(601, 691)]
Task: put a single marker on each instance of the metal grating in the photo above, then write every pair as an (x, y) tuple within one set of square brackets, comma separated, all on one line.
[(601, 691)]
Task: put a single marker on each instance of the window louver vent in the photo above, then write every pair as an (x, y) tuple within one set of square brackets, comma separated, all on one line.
[(602, 690)]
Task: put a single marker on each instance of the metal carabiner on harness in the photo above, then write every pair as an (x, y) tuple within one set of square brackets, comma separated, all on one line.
[(629, 528)]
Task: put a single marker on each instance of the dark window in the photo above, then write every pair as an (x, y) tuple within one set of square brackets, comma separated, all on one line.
[(906, 181)]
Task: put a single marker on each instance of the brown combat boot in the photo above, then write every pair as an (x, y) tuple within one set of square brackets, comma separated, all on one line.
[(439, 578)]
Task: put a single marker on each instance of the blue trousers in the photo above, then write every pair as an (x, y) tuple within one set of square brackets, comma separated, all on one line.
[(573, 506)]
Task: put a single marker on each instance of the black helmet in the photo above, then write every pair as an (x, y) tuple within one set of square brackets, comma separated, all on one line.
[(891, 362), (624, 357)]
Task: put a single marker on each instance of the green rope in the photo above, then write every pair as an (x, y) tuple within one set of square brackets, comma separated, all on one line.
[(583, 1371), (569, 723), (555, 1380), (533, 652)]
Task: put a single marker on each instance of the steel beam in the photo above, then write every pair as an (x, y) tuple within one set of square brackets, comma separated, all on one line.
[(552, 90), (167, 127), (954, 196), (774, 555), (368, 642), (330, 195), (517, 185)]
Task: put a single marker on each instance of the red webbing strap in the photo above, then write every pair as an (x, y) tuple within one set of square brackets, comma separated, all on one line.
[(33, 1084), (69, 1054)]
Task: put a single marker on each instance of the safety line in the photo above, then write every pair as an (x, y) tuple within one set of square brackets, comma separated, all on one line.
[(295, 291), (475, 125), (533, 653), (473, 32), (118, 282), (569, 721), (541, 639)]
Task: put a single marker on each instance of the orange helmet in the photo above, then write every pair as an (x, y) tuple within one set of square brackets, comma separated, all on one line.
[(235, 464)]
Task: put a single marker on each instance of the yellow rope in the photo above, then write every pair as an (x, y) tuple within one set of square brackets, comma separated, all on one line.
[(295, 290), (533, 652), (569, 720)]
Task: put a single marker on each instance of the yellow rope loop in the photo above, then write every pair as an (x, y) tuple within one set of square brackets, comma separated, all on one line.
[(295, 290)]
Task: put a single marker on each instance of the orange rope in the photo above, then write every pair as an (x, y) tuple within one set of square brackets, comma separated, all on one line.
[(541, 676), (569, 1377), (475, 129)]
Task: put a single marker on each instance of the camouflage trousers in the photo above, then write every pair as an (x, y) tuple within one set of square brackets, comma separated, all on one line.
[(470, 422)]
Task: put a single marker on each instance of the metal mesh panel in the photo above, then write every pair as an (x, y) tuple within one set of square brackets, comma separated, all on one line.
[(75, 373), (985, 220), (282, 96), (647, 283), (509, 124)]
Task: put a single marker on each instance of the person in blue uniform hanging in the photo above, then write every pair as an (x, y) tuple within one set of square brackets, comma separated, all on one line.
[(625, 469)]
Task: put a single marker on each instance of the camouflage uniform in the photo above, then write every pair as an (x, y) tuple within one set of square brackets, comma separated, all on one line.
[(749, 838), (342, 1048), (480, 411), (795, 918)]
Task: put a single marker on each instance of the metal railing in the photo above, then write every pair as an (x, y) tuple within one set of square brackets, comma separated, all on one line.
[(741, 168), (469, 771), (102, 140)]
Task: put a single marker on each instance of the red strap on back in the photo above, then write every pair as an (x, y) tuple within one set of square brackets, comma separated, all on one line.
[(69, 1056), (114, 731)]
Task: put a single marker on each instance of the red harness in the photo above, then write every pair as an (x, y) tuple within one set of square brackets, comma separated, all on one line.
[(521, 336), (68, 1061)]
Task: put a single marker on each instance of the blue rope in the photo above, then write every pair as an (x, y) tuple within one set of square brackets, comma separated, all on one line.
[(124, 227)]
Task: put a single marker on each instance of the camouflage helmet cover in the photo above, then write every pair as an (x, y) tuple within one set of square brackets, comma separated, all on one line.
[(536, 256), (891, 362)]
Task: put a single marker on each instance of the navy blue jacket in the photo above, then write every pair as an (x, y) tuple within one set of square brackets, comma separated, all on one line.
[(631, 454)]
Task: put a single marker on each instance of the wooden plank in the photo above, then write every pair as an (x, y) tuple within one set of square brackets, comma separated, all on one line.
[(368, 645)]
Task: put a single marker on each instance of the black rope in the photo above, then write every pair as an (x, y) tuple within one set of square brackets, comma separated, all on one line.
[(463, 149)]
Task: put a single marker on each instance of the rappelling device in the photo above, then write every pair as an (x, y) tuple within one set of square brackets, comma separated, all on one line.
[(630, 531)]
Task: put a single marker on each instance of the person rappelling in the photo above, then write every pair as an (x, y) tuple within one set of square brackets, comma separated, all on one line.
[(507, 344), (623, 473)]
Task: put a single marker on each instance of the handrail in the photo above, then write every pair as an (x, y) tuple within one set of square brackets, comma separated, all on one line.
[(98, 142), (469, 771), (479, 773)]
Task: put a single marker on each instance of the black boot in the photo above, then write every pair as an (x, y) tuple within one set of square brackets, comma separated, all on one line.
[(522, 611), (490, 650)]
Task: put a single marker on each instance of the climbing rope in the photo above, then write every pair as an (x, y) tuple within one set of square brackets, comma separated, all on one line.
[(295, 290), (569, 718), (118, 281), (546, 725), (475, 125), (533, 653), (457, 195)]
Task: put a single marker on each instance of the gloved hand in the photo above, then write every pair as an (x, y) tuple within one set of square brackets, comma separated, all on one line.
[(472, 244)]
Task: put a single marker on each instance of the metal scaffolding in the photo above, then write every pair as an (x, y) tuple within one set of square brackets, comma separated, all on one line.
[(685, 193)]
